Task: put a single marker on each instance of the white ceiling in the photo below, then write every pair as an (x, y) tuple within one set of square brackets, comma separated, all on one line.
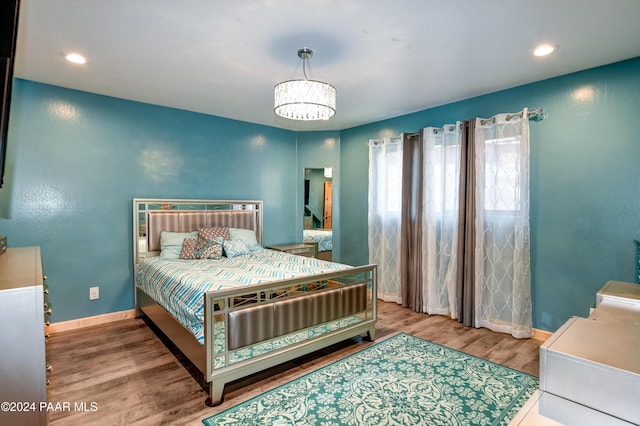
[(386, 58)]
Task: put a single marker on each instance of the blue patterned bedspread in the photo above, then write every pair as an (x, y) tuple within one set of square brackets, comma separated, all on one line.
[(178, 285), (324, 238)]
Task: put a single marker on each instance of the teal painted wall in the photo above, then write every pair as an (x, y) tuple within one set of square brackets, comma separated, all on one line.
[(75, 161), (585, 181)]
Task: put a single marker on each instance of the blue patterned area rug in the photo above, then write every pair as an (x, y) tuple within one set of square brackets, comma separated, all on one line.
[(403, 380)]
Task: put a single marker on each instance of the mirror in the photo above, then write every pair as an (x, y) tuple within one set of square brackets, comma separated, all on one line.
[(317, 210), (317, 199)]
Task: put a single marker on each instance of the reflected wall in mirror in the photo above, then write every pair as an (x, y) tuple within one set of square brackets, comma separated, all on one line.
[(317, 199), (318, 214)]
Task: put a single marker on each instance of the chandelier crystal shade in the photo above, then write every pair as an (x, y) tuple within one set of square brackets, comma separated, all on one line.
[(305, 100)]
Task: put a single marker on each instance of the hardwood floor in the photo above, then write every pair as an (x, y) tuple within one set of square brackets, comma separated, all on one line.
[(126, 374)]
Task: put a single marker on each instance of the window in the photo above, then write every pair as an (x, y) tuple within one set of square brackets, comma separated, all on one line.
[(502, 175), (387, 176)]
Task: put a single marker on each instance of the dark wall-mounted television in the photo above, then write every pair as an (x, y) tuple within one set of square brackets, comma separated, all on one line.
[(9, 10)]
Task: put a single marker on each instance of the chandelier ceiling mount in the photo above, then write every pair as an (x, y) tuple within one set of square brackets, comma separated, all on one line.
[(305, 99)]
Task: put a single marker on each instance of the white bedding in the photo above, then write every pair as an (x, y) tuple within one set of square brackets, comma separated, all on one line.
[(178, 285), (324, 238)]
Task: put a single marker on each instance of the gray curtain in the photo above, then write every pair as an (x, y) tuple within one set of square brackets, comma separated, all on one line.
[(479, 301), (466, 233), (411, 222), (411, 225)]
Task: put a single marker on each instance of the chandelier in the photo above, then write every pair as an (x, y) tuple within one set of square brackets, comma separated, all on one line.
[(306, 99)]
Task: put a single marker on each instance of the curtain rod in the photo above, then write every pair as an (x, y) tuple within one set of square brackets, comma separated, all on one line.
[(379, 141), (534, 115)]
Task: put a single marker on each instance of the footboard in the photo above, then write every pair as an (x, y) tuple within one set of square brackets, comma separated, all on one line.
[(248, 330)]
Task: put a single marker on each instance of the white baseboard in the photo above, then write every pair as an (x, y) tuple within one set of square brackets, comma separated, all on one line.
[(131, 313), (75, 324)]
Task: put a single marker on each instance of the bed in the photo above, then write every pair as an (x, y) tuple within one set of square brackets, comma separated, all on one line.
[(323, 238), (238, 314)]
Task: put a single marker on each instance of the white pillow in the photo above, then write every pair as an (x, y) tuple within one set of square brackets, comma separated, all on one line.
[(171, 243), (248, 236)]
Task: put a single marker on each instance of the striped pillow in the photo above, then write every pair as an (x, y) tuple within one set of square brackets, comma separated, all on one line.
[(233, 248)]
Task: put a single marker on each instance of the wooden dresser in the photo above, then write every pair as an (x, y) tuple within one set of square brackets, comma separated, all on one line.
[(22, 342)]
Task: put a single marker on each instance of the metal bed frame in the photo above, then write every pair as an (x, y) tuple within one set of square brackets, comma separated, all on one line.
[(252, 328)]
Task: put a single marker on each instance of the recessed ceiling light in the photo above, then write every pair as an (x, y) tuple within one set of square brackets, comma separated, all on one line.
[(544, 50), (76, 58)]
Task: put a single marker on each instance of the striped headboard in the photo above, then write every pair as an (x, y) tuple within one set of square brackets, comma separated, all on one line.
[(152, 216), (180, 221)]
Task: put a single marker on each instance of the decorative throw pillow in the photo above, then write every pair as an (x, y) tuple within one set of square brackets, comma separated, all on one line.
[(197, 248), (209, 249), (188, 249), (171, 243), (214, 232), (233, 248)]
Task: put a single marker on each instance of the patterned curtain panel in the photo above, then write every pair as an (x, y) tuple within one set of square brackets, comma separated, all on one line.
[(441, 147), (502, 252), (385, 196), (474, 226)]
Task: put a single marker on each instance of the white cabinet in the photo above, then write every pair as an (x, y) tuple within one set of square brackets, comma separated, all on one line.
[(22, 351), (595, 363), (590, 367), (617, 294)]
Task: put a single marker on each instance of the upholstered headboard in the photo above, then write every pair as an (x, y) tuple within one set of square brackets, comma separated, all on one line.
[(152, 216), (177, 221)]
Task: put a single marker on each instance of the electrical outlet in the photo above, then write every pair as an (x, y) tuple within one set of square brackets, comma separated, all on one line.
[(94, 293)]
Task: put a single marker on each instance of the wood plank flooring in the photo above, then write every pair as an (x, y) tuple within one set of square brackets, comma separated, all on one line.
[(125, 374)]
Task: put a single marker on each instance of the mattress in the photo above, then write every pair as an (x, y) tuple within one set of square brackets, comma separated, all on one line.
[(178, 285), (324, 238)]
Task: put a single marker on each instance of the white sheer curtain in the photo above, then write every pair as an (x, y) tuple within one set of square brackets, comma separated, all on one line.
[(475, 264), (441, 148), (502, 260), (385, 195)]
